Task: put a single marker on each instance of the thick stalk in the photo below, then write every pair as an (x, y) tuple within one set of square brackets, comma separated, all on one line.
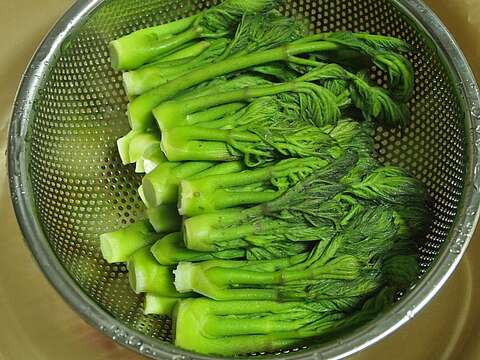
[(170, 250), (201, 237), (231, 167), (119, 245), (134, 50), (176, 146), (147, 77), (153, 157), (189, 52), (161, 185), (242, 282), (345, 268), (164, 218), (212, 114), (159, 305), (189, 334), (216, 326), (140, 143), (147, 275)]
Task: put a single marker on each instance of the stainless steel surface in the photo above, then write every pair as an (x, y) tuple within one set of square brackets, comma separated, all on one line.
[(66, 147)]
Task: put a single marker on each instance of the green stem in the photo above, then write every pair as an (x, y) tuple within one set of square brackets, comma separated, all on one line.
[(212, 114), (189, 52), (224, 277), (164, 218), (153, 157), (170, 250), (244, 280), (161, 185), (134, 50), (140, 143), (201, 235), (244, 94), (231, 167), (216, 326), (176, 41), (176, 146), (147, 275), (159, 305), (119, 245)]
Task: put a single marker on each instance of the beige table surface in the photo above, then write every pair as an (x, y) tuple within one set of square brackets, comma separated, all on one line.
[(35, 323)]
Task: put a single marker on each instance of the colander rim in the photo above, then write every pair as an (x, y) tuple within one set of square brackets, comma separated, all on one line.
[(408, 306)]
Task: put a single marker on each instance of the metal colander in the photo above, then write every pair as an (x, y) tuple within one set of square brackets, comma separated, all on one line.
[(68, 184)]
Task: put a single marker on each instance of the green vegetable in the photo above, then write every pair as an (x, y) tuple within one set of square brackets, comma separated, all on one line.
[(266, 129), (140, 47), (145, 274), (137, 48), (228, 328), (184, 55), (170, 250), (222, 84), (207, 194), (255, 32), (401, 76), (119, 245), (262, 136), (313, 209), (337, 258), (161, 185), (159, 305), (261, 131), (256, 186), (164, 218)]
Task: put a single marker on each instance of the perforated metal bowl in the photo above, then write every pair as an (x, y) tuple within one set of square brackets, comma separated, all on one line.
[(68, 184)]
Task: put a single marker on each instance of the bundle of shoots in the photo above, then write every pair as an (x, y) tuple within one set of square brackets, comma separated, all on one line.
[(313, 209), (168, 41), (246, 187), (277, 122), (207, 194), (255, 32), (398, 68), (228, 328), (353, 259), (269, 221), (143, 147)]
